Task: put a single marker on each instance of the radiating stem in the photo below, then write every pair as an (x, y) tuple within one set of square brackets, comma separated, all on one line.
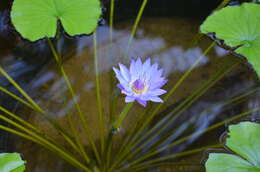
[(27, 124), (113, 99), (33, 105), (80, 149), (181, 140), (137, 20), (111, 19), (30, 126), (98, 94), (149, 163), (112, 102), (71, 91), (69, 158), (20, 100), (10, 79)]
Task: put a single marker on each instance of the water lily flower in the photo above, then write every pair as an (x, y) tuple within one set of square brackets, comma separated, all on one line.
[(142, 82)]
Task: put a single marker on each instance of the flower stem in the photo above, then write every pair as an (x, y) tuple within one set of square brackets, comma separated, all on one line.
[(122, 116)]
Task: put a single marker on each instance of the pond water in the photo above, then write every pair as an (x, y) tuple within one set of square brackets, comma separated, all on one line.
[(166, 40)]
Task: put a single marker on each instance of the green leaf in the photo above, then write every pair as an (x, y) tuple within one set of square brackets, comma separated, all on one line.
[(244, 140), (36, 19), (220, 162), (11, 162), (238, 26)]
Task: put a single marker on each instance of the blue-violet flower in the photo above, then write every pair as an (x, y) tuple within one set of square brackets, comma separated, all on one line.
[(142, 82)]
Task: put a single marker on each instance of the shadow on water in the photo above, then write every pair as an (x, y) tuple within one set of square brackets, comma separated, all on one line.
[(165, 40)]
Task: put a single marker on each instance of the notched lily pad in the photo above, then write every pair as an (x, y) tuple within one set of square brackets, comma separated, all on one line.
[(244, 141), (36, 19), (238, 26), (11, 162)]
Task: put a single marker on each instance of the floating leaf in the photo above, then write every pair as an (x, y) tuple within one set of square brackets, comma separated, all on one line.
[(36, 19), (11, 162), (238, 26), (244, 140)]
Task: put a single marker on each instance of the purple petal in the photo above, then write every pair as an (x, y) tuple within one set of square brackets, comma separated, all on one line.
[(129, 99), (151, 71), (142, 102), (138, 66), (120, 86), (127, 92), (158, 84), (133, 69), (157, 92), (124, 71), (120, 77), (156, 99), (146, 65), (159, 73)]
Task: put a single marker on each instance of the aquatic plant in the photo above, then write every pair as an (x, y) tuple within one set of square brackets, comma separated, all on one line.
[(142, 82), (239, 27), (11, 162), (243, 143), (146, 140)]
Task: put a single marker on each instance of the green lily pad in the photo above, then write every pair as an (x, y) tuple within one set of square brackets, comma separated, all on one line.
[(11, 162), (36, 19), (244, 141), (220, 162), (238, 26)]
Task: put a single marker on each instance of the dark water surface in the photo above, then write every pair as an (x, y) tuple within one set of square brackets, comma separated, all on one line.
[(164, 35)]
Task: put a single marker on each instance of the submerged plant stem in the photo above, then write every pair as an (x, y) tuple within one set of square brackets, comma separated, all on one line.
[(151, 154), (152, 163), (80, 149), (10, 79), (137, 20), (111, 19), (68, 157), (82, 118), (30, 126), (20, 100), (98, 95), (32, 104), (113, 100)]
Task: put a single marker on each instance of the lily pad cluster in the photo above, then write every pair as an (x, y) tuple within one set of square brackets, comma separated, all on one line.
[(36, 19), (11, 162), (244, 141), (239, 27)]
